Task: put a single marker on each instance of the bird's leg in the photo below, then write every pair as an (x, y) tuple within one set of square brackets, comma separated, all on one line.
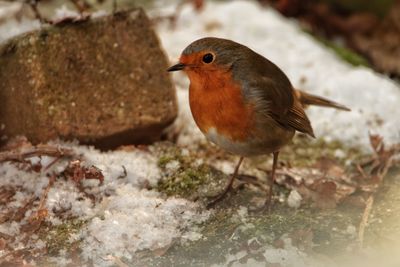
[(228, 186), (268, 200)]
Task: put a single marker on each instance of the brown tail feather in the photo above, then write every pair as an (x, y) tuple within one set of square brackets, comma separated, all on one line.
[(309, 99)]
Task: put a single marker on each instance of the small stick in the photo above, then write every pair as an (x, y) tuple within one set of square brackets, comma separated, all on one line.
[(361, 171), (34, 5), (38, 215), (46, 192), (40, 150), (80, 5), (54, 161), (364, 220)]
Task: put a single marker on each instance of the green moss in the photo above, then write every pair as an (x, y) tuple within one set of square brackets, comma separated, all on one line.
[(180, 183), (187, 177), (344, 53), (226, 233), (192, 180), (57, 237), (164, 160), (305, 152), (187, 182)]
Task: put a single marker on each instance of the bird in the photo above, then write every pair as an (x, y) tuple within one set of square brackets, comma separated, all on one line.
[(243, 102)]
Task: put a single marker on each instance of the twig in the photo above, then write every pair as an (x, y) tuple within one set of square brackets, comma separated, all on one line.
[(361, 171), (40, 150), (364, 220), (43, 197), (34, 5), (124, 174), (41, 212), (54, 161), (81, 5)]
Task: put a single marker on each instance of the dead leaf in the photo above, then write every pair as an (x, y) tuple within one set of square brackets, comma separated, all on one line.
[(6, 193), (330, 167), (76, 172), (302, 238), (325, 194), (20, 213)]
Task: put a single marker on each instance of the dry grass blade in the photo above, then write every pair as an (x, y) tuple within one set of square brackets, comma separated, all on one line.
[(373, 171), (6, 194), (41, 212), (364, 220)]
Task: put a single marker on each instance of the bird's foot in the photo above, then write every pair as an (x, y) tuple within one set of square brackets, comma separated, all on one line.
[(240, 182), (217, 198), (227, 188), (266, 207)]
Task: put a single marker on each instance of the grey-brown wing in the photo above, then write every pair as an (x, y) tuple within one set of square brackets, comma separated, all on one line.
[(275, 96), (265, 83), (267, 86), (285, 109)]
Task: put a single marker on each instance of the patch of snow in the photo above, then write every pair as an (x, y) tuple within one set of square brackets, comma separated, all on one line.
[(125, 217), (294, 199), (65, 12), (140, 166), (172, 166), (65, 197), (134, 220), (13, 27)]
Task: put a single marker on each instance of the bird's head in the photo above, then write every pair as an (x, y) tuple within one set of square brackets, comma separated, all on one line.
[(207, 55)]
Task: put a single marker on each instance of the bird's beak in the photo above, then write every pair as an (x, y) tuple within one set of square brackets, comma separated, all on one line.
[(176, 67)]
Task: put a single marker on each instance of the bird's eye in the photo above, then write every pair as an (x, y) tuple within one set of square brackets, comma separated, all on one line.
[(208, 58)]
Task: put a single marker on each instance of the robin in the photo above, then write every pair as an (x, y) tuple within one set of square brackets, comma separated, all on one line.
[(243, 102)]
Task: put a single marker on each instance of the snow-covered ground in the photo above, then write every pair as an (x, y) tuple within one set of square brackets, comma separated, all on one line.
[(130, 217)]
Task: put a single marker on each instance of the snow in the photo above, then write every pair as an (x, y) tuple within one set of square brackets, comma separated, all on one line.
[(310, 66), (14, 27), (294, 199), (135, 220), (129, 217)]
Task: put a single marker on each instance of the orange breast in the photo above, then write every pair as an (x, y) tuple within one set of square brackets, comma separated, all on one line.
[(216, 102)]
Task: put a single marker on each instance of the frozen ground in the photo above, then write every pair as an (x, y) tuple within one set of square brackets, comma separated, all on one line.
[(129, 217)]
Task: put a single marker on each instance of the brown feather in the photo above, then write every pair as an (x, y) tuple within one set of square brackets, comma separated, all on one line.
[(309, 99), (297, 119)]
